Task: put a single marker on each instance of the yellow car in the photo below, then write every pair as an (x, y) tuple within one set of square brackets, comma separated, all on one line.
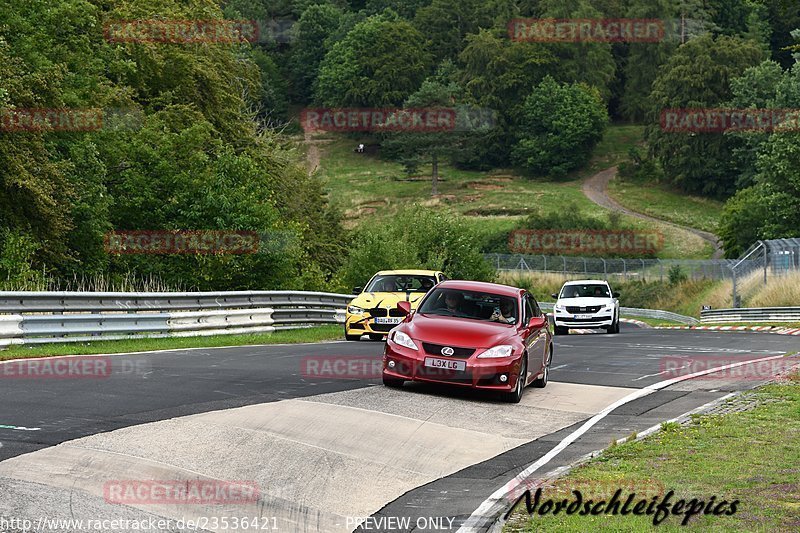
[(374, 311)]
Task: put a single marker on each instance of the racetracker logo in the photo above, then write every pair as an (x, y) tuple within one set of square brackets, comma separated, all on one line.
[(181, 242), (58, 368), (341, 367), (576, 242), (434, 119), (42, 120), (713, 120), (199, 31), (732, 368), (186, 492), (586, 30)]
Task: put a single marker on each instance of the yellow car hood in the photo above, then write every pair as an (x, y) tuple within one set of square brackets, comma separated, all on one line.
[(368, 300)]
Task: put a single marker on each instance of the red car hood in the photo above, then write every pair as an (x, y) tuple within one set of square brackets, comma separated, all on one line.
[(461, 332)]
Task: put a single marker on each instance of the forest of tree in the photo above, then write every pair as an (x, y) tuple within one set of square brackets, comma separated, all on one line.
[(212, 150)]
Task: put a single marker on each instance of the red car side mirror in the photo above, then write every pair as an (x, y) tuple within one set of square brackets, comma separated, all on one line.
[(538, 321), (404, 307)]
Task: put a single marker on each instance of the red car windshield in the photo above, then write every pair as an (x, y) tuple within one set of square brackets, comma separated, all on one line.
[(471, 305)]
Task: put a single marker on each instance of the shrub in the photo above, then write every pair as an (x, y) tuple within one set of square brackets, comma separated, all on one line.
[(676, 275), (416, 238)]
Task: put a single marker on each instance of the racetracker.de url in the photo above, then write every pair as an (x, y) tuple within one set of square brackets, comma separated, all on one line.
[(202, 523)]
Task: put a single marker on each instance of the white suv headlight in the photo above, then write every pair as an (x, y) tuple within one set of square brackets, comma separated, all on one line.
[(503, 350), (353, 310), (404, 340), (558, 307), (609, 306)]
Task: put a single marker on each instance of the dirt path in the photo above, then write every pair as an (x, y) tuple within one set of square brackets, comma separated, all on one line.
[(595, 188), (312, 153)]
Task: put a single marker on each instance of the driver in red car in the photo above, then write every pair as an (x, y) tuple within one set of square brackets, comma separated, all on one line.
[(453, 301)]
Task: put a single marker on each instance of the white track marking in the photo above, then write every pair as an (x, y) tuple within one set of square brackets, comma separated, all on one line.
[(19, 428)]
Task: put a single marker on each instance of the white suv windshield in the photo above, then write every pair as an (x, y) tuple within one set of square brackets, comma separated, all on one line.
[(589, 290)]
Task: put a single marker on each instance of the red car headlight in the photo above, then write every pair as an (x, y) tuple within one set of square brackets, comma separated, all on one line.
[(502, 350), (398, 337)]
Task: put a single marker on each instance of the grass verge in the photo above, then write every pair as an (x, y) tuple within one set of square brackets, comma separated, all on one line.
[(750, 456), (660, 201), (315, 334), (368, 189)]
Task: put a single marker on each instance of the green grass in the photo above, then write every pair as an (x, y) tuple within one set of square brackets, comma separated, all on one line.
[(751, 456), (660, 201), (614, 147), (315, 334), (368, 189)]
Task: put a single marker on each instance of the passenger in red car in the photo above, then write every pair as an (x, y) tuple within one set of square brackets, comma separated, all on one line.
[(506, 312)]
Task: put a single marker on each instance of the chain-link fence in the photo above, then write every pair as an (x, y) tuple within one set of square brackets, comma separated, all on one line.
[(762, 261), (626, 269)]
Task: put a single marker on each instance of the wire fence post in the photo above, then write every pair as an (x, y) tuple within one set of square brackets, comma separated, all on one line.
[(605, 269), (661, 270)]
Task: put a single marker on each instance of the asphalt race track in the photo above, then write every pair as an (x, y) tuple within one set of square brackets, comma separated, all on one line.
[(324, 452)]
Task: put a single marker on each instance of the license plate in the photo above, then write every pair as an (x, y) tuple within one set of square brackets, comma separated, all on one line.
[(583, 317), (447, 364), (389, 320)]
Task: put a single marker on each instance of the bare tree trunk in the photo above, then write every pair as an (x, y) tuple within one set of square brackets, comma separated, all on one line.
[(435, 178), (683, 28)]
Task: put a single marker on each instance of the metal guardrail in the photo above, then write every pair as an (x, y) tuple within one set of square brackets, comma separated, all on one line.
[(756, 314), (41, 317), (656, 314)]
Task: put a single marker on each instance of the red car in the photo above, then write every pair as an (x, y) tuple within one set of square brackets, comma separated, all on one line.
[(473, 334)]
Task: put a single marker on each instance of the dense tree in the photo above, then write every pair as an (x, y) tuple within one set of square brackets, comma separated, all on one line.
[(644, 61), (784, 17), (559, 126), (587, 62), (698, 75), (498, 74), (770, 209), (316, 24), (380, 62), (446, 23)]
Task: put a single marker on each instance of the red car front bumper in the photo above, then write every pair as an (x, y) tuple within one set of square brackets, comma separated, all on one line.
[(404, 363)]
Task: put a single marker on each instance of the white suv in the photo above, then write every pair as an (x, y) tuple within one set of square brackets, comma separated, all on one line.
[(586, 303)]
